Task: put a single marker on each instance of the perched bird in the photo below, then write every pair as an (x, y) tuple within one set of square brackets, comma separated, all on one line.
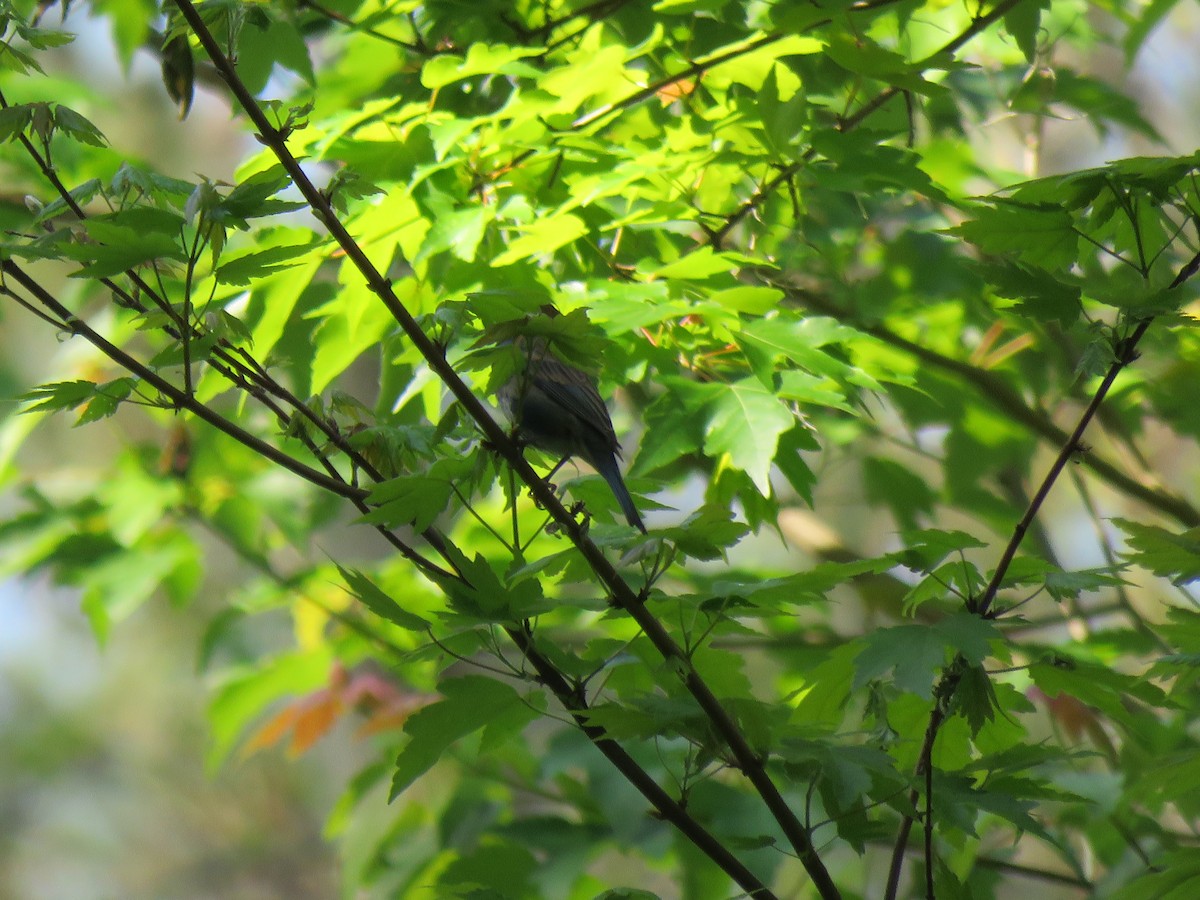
[(558, 409)]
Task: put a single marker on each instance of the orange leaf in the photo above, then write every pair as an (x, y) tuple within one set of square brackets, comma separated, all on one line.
[(669, 93), (316, 716), (272, 731), (393, 715)]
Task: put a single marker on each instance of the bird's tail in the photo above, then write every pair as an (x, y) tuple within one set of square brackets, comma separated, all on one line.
[(612, 474)]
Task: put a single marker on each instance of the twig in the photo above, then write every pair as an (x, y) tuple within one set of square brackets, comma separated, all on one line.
[(77, 326), (751, 762), (1125, 354), (996, 391)]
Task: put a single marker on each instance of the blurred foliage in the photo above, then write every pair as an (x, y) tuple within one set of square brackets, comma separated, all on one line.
[(783, 235)]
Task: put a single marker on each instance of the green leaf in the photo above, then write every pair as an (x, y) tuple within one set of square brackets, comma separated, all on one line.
[(1174, 877), (14, 119), (745, 422), (469, 704), (493, 871), (698, 264), (179, 72), (706, 533), (969, 635), (1172, 555), (1035, 292), (409, 500), (925, 549), (1100, 102), (481, 59), (542, 237), (351, 321), (59, 395), (863, 56), (116, 588), (477, 594), (379, 602), (117, 247), (789, 461), (976, 697), (915, 653), (750, 299), (107, 399), (253, 198), (1095, 685), (76, 126), (1038, 236), (1023, 22), (253, 266)]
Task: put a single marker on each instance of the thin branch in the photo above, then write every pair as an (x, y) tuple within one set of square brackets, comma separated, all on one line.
[(929, 832), (667, 806), (33, 308), (750, 761), (945, 688), (333, 15), (1126, 353), (77, 326), (996, 391), (694, 70), (760, 196)]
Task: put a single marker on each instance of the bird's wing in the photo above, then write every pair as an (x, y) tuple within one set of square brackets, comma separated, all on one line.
[(575, 392)]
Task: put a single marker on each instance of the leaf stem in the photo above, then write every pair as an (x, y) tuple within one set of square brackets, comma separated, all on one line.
[(751, 762)]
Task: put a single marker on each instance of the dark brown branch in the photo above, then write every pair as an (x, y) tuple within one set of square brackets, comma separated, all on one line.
[(667, 806), (1126, 353), (751, 762), (996, 391), (177, 397), (945, 688), (244, 372), (760, 196)]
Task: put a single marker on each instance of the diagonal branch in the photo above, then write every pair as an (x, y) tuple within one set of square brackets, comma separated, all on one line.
[(177, 397), (669, 808), (1126, 353), (752, 763), (996, 391), (548, 676), (695, 69), (760, 196)]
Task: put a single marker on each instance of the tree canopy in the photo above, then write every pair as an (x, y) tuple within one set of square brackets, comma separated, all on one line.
[(905, 404)]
